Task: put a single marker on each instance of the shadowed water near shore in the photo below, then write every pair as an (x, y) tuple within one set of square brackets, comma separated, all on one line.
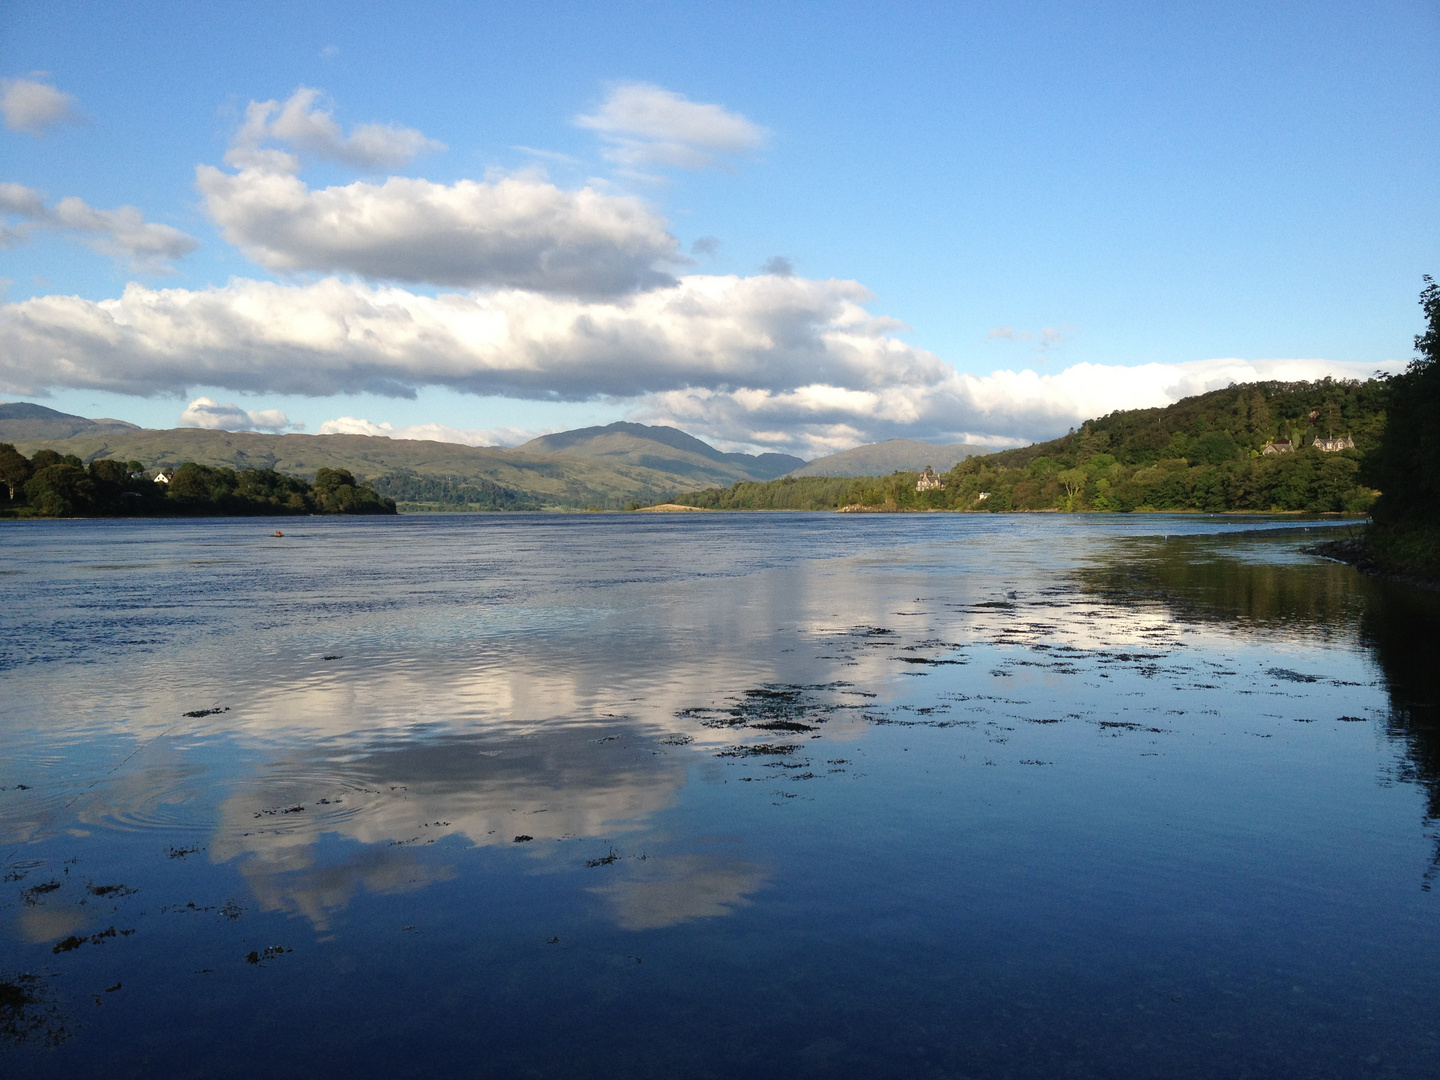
[(775, 795)]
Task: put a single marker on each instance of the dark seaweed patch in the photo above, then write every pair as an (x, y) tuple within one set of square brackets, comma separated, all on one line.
[(73, 942), (27, 1014), (1291, 676), (758, 750), (270, 952), (772, 707), (111, 890), (29, 897), (207, 712)]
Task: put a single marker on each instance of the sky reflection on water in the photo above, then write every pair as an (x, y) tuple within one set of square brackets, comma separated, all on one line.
[(780, 794)]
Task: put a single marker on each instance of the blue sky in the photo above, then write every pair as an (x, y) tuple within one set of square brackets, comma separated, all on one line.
[(1108, 204)]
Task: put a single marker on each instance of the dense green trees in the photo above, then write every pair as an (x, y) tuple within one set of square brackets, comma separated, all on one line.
[(1406, 464), (1205, 453), (337, 492), (416, 492), (48, 485)]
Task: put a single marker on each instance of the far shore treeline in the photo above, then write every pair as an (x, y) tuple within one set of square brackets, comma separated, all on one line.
[(1255, 447), (51, 485)]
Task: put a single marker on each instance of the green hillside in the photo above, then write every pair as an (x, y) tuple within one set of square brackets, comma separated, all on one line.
[(1205, 453), (893, 455)]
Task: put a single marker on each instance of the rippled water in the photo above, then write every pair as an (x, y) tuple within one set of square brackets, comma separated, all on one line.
[(713, 795)]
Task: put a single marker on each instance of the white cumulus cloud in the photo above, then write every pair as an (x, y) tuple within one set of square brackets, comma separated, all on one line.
[(33, 106), (517, 231), (206, 412), (643, 124), (303, 124), (355, 425), (122, 233)]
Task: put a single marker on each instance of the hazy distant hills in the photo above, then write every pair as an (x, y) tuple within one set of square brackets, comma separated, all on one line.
[(605, 467), (24, 421), (893, 455), (677, 452)]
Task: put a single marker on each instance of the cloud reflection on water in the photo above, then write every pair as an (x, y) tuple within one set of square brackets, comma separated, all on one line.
[(665, 891)]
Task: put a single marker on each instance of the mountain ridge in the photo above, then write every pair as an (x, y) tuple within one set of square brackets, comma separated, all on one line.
[(892, 455), (610, 441), (26, 420)]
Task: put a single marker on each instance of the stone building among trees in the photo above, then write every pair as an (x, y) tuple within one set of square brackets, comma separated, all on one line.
[(929, 481)]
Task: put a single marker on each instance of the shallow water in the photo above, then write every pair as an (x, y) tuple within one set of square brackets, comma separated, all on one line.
[(714, 795)]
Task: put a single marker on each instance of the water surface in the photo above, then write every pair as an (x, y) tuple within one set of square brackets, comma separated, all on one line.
[(713, 795)]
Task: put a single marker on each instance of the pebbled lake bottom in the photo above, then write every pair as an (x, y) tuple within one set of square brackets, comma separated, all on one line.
[(714, 796)]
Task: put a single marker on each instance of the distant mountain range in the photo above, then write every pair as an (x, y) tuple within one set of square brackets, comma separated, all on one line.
[(608, 467), (21, 421), (893, 455), (676, 452)]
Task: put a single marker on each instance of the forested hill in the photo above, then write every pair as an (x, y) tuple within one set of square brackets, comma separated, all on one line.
[(1204, 453)]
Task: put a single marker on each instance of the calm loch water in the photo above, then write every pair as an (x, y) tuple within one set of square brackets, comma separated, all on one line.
[(713, 796)]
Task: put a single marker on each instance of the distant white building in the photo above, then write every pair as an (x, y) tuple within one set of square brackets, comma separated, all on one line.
[(164, 476), (929, 481), (1332, 445), (1278, 446)]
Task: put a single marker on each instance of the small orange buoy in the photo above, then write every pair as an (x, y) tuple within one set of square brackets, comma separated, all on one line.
[(279, 533)]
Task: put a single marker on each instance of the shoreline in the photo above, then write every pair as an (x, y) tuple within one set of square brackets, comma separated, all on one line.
[(1357, 551)]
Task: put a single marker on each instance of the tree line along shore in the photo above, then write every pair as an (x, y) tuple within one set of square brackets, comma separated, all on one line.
[(49, 484)]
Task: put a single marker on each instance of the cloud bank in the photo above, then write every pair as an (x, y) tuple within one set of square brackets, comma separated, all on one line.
[(1005, 408), (787, 363), (336, 336), (354, 425), (122, 233), (34, 107)]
